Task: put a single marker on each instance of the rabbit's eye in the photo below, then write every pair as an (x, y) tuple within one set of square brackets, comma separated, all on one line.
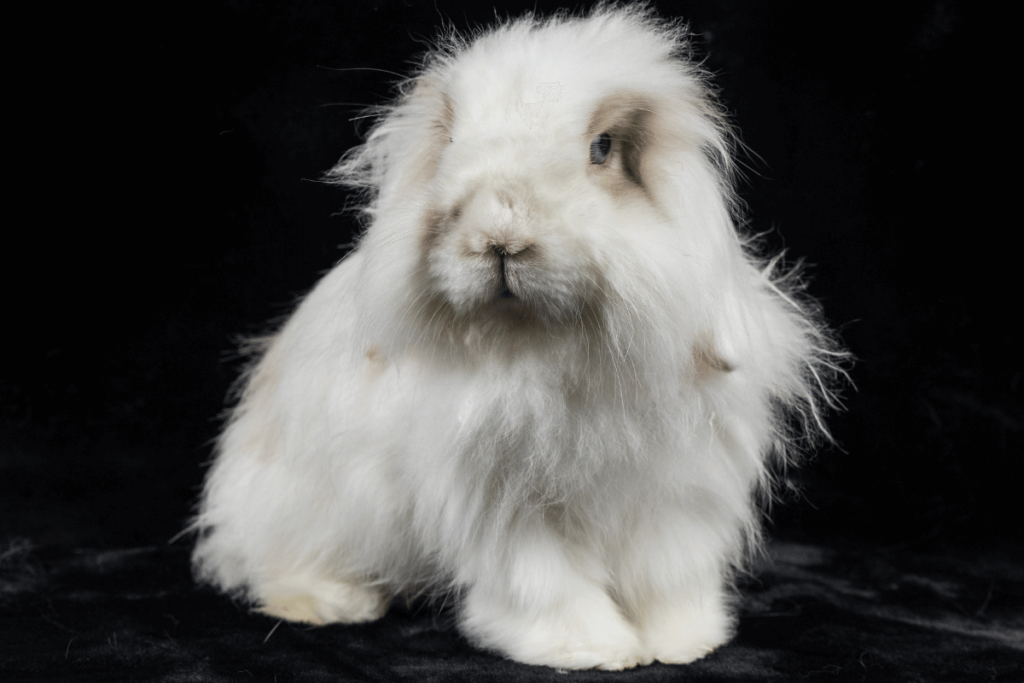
[(600, 148)]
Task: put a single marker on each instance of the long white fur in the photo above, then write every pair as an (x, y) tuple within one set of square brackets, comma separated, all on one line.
[(580, 464)]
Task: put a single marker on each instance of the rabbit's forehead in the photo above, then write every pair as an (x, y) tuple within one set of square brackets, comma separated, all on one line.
[(547, 88), (493, 95), (527, 102)]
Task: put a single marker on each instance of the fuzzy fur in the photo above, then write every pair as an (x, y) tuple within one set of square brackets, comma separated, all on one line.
[(554, 387)]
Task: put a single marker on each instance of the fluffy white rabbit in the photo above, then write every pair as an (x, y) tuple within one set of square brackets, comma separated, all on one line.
[(552, 379)]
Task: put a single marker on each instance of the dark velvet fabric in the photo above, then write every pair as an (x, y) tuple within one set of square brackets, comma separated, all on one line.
[(812, 612), (167, 205)]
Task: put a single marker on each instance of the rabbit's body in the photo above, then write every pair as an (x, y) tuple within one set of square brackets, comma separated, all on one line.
[(549, 377)]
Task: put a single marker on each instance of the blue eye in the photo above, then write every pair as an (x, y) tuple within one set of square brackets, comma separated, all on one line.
[(600, 148)]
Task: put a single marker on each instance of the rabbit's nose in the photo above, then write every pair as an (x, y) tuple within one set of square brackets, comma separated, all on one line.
[(507, 247)]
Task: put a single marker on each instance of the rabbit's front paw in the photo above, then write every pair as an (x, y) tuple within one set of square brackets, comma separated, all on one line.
[(684, 631), (322, 601), (588, 632)]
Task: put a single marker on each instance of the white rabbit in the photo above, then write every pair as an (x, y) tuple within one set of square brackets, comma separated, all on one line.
[(551, 379)]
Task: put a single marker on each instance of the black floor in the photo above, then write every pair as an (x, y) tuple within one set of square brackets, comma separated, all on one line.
[(811, 612)]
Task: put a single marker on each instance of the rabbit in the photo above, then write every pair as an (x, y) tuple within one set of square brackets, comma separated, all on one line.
[(553, 379)]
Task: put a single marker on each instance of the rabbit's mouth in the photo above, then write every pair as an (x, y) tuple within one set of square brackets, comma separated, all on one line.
[(513, 292), (516, 283), (493, 272), (505, 277)]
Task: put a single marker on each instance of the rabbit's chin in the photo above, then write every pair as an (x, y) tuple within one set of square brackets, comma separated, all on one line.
[(510, 323), (516, 315)]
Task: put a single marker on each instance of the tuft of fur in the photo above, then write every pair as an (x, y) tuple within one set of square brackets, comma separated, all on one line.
[(553, 382)]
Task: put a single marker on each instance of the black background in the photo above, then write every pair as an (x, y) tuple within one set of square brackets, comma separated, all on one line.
[(169, 204)]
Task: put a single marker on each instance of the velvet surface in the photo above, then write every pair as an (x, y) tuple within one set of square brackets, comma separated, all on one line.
[(809, 612)]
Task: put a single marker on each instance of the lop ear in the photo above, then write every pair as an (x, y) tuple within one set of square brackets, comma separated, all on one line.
[(427, 119), (687, 171), (405, 145)]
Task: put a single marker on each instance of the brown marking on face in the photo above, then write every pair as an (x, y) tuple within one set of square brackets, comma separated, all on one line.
[(435, 223), (627, 118)]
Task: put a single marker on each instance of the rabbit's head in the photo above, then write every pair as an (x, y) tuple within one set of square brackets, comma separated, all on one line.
[(564, 174)]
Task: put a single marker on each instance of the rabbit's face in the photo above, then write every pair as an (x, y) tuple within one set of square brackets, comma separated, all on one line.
[(527, 214), (544, 190)]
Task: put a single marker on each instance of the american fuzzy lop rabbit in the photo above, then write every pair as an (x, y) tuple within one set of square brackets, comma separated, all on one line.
[(552, 379)]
